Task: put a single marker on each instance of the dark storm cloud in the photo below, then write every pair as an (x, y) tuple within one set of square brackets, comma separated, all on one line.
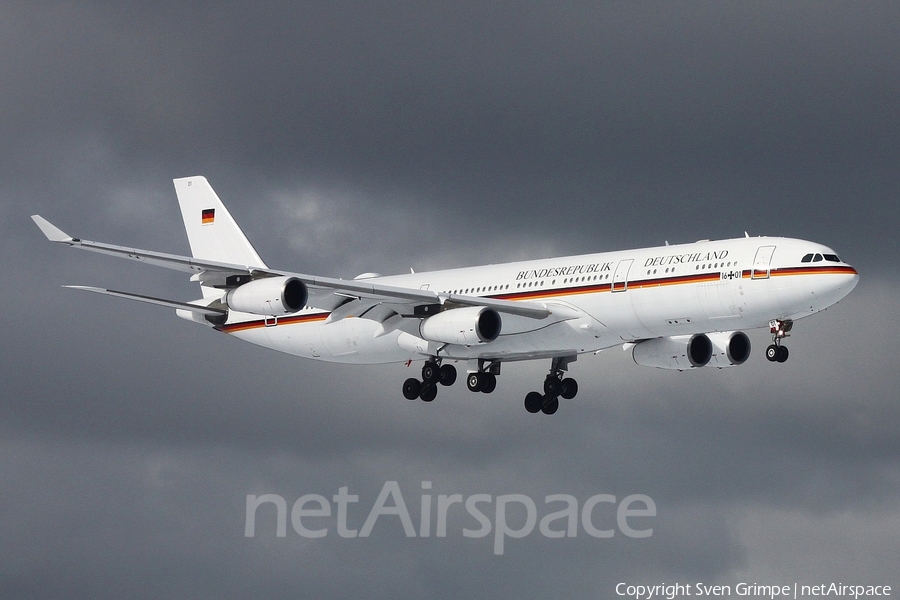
[(350, 138), (731, 118)]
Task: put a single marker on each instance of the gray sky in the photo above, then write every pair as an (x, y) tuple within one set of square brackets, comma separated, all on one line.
[(350, 138)]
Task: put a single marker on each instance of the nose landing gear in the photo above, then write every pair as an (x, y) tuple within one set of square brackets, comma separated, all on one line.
[(775, 352)]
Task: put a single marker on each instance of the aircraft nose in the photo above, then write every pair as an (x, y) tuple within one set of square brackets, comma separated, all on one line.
[(843, 282), (854, 279)]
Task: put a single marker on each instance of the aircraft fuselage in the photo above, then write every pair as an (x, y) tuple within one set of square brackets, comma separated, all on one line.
[(613, 297)]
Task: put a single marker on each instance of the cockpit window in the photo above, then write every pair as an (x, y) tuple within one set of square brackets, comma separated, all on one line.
[(811, 257)]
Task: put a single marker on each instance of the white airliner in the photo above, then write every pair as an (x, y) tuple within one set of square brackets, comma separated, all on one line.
[(676, 307)]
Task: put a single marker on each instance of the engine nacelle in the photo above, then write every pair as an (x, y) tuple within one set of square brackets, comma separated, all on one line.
[(676, 352), (465, 326), (270, 296), (729, 348)]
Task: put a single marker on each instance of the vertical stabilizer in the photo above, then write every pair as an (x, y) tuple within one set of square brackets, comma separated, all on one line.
[(211, 230)]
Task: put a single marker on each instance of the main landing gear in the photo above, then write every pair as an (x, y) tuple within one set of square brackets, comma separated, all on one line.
[(555, 386), (433, 373), (780, 330), (484, 380)]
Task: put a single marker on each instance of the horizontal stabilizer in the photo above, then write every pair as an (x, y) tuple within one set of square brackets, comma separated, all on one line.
[(203, 310)]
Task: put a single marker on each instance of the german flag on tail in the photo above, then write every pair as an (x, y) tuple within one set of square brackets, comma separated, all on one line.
[(208, 216)]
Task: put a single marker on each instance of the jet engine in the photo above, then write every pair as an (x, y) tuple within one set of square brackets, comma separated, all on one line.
[(729, 348), (465, 326), (676, 352), (270, 296)]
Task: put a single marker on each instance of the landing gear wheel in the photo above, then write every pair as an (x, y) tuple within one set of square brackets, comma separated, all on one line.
[(782, 354), (474, 382), (552, 386), (411, 388), (488, 383), (551, 405), (534, 402), (431, 373), (448, 375), (569, 388), (772, 353), (428, 393)]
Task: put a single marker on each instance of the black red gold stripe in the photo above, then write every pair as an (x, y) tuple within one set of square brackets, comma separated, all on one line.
[(291, 320), (827, 270), (592, 288)]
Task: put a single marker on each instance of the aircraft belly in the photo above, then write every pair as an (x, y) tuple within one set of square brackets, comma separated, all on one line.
[(575, 336), (664, 310), (764, 300), (347, 341), (617, 311)]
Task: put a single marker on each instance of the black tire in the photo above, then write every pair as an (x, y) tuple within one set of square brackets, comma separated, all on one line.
[(430, 373), (411, 388), (474, 381), (533, 402), (550, 406), (488, 383), (569, 388), (782, 354), (772, 353), (428, 393), (552, 386), (448, 375)]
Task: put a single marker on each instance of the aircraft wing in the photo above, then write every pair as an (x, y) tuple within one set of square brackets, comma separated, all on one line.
[(324, 292), (197, 308)]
